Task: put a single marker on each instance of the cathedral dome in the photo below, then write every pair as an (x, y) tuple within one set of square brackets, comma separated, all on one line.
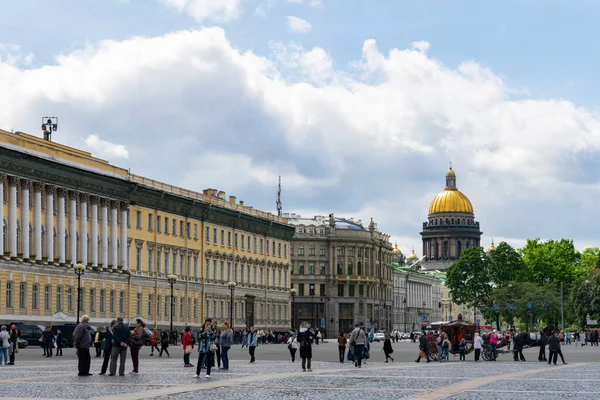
[(413, 256), (451, 199), (396, 249)]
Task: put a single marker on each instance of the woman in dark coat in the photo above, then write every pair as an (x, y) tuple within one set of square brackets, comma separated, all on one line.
[(305, 338), (387, 348)]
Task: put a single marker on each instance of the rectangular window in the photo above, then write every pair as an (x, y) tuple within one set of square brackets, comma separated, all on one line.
[(339, 252), (34, 296), (139, 304), (340, 290), (122, 302), (166, 225), (181, 264), (93, 300), (300, 251), (23, 295), (361, 290), (215, 236), (150, 222), (158, 224), (262, 276), (47, 299), (150, 305), (229, 239), (207, 272), (300, 268), (181, 232), (322, 251), (112, 301), (243, 243), (158, 258), (214, 270), (166, 262), (359, 252), (311, 268), (138, 220), (138, 258), (102, 300), (301, 289), (222, 237), (311, 251), (350, 251), (279, 250), (273, 248), (195, 231), (351, 290), (150, 259), (69, 298), (222, 271), (181, 302), (228, 271), (158, 304), (285, 279), (174, 269), (285, 250), (322, 268), (195, 308), (195, 266), (268, 244), (188, 230), (208, 234), (235, 239), (255, 248), (249, 242), (9, 294), (174, 227), (242, 273), (262, 242), (322, 289)]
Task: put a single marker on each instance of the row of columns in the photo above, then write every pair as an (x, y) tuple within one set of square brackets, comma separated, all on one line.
[(115, 207)]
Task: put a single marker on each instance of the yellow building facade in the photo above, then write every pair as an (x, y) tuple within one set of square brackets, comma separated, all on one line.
[(62, 206)]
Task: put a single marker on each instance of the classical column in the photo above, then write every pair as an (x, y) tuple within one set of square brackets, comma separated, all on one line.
[(62, 251), (25, 218), (83, 200), (124, 259), (94, 230), (37, 221), (2, 178), (73, 226), (12, 216), (114, 234), (50, 223), (104, 233)]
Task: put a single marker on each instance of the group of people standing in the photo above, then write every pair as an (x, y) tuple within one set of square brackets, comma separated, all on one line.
[(9, 345)]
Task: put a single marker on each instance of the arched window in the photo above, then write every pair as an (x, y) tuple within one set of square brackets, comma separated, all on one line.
[(463, 221), (458, 248), (452, 221), (350, 268), (359, 268), (340, 268)]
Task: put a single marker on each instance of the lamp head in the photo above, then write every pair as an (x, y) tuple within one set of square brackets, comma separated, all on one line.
[(231, 284), (79, 267), (172, 278), (293, 292)]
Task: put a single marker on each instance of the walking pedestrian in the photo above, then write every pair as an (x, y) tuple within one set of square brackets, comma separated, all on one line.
[(59, 343), (387, 348), (293, 346), (188, 345), (154, 342), (225, 341), (252, 342), (121, 339), (423, 349), (206, 348), (107, 345), (305, 338), (462, 347), (81, 341), (358, 338), (342, 346), (14, 344), (164, 344), (553, 347), (48, 341)]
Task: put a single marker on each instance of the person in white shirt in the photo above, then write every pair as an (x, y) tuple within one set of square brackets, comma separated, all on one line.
[(477, 345), (4, 338)]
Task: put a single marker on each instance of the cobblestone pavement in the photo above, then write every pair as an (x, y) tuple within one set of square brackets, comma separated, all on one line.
[(284, 380)]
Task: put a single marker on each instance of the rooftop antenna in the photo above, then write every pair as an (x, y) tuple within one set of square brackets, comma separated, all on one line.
[(278, 202), (49, 125)]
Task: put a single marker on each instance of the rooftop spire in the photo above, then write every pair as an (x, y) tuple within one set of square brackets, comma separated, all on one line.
[(450, 179)]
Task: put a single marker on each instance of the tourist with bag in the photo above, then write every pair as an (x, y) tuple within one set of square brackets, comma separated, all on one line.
[(358, 338), (137, 341), (206, 349), (305, 338), (342, 346), (188, 344)]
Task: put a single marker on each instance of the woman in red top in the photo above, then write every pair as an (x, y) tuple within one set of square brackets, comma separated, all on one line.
[(188, 345), (154, 342)]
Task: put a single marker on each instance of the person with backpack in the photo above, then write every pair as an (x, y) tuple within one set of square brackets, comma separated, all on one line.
[(305, 338), (137, 341), (358, 339), (446, 347), (462, 347)]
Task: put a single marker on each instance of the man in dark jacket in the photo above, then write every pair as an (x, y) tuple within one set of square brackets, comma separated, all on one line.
[(553, 347), (81, 341), (121, 339), (424, 347), (107, 345)]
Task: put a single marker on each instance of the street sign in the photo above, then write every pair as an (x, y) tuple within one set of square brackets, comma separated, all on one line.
[(322, 322), (424, 317), (528, 305), (544, 304), (495, 306), (510, 306), (478, 321), (450, 318)]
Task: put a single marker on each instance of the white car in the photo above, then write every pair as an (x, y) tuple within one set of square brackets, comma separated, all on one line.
[(379, 336)]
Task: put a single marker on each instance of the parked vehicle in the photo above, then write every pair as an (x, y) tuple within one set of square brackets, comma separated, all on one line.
[(67, 333), (379, 336), (22, 343), (29, 333)]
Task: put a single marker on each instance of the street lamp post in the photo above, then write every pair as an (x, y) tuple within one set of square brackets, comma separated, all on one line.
[(510, 306), (231, 285), (79, 270), (172, 279), (293, 293)]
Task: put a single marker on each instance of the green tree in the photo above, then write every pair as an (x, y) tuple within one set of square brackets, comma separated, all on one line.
[(590, 258), (586, 298), (550, 262), (469, 278), (506, 265)]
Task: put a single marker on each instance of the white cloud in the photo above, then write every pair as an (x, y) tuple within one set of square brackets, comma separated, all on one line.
[(311, 3), (421, 46), (105, 149), (201, 10), (370, 139), (262, 10), (298, 25)]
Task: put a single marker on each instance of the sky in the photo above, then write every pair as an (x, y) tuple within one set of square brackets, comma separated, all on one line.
[(359, 106)]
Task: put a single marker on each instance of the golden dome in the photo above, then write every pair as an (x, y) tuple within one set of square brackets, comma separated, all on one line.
[(492, 247), (396, 249), (413, 256), (451, 199)]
